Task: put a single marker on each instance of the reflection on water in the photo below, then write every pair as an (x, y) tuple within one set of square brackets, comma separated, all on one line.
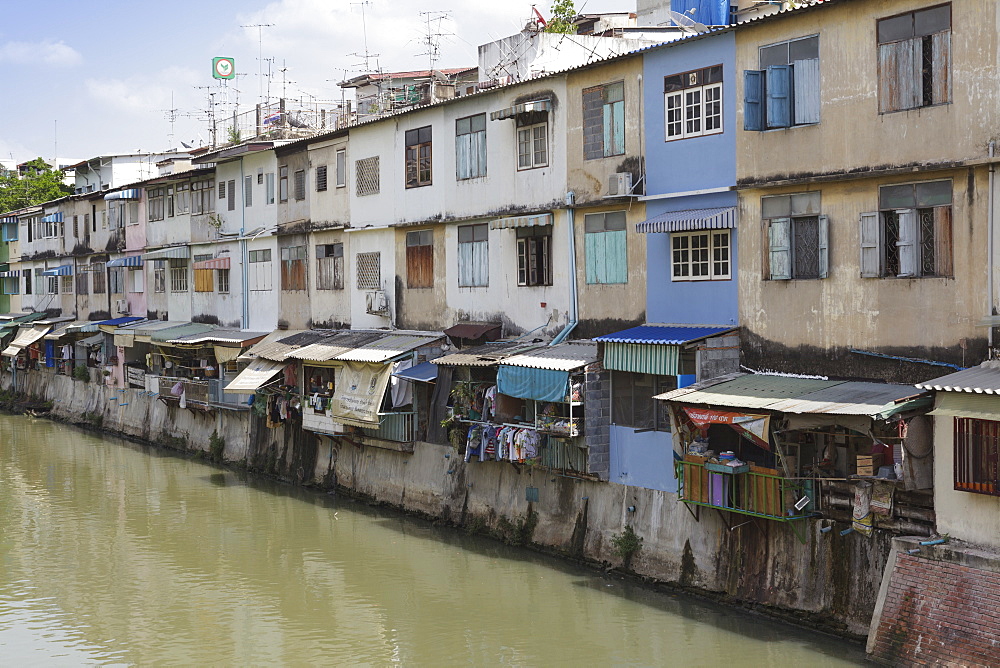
[(114, 553)]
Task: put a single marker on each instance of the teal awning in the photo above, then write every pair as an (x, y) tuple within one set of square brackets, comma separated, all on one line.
[(530, 383), (658, 359), (163, 335)]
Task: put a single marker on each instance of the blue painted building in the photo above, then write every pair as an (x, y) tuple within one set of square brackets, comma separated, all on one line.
[(691, 207)]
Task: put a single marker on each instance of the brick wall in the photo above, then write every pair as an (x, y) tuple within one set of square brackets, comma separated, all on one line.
[(597, 418), (938, 613)]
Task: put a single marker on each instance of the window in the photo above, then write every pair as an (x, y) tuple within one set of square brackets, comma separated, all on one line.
[(86, 223), (247, 191), (470, 147), (283, 184), (420, 259), (692, 103), (914, 59), (67, 285), (785, 90), (473, 256), (532, 146), (418, 157), (605, 247), (10, 231), (222, 190), (10, 286), (910, 236), (76, 227), (27, 281), (341, 168), (133, 213), (260, 270), (203, 278), (977, 444), (269, 188), (293, 268), (154, 204), (159, 275), (223, 278), (231, 196), (700, 256), (97, 270), (182, 198), (53, 285), (632, 402), (330, 267), (260, 175), (369, 271), (300, 185), (366, 175), (321, 178), (83, 281), (178, 275), (798, 236), (604, 121), (201, 197), (534, 255), (136, 281), (116, 278)]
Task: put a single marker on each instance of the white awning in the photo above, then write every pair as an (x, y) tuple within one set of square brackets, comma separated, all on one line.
[(521, 221), (260, 372), (511, 112), (25, 338), (172, 253)]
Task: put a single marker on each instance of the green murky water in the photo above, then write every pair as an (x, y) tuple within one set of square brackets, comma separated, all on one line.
[(113, 553)]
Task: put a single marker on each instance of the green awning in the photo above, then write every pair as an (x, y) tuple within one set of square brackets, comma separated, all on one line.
[(659, 359), (964, 404)]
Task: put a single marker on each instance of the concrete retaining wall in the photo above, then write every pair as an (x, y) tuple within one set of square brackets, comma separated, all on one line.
[(830, 581)]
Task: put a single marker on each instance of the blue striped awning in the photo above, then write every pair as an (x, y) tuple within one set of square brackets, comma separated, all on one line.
[(56, 217), (9, 220), (13, 273), (63, 270), (723, 218), (128, 193), (130, 261)]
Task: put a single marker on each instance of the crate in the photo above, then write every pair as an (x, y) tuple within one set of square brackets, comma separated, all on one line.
[(868, 465)]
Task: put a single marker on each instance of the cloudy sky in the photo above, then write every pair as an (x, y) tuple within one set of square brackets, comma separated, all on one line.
[(85, 81)]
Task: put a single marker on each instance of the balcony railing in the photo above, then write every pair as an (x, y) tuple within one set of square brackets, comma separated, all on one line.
[(194, 390), (397, 427), (752, 493)]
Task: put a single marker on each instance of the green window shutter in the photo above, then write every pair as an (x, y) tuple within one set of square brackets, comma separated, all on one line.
[(616, 262), (594, 251), (779, 236)]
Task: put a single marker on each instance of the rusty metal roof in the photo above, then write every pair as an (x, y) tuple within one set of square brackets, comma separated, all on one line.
[(330, 347), (487, 354), (562, 357), (276, 345)]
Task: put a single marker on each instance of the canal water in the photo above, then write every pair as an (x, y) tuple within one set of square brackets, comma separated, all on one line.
[(115, 553)]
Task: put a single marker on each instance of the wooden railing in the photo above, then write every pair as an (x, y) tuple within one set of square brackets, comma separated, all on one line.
[(753, 493)]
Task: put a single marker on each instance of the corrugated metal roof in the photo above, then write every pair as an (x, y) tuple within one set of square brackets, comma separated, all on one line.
[(982, 379), (64, 329), (362, 346), (561, 357), (691, 219), (487, 354), (331, 347), (219, 336), (149, 326), (664, 334), (164, 335), (276, 345), (794, 395), (258, 373)]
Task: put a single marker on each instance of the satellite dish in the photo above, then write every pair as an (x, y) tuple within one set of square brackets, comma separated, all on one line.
[(685, 22)]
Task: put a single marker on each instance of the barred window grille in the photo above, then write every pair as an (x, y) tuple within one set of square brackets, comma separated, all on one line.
[(369, 271), (367, 176), (977, 462)]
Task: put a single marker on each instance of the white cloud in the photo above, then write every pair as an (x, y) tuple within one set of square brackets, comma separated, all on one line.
[(144, 94), (46, 52)]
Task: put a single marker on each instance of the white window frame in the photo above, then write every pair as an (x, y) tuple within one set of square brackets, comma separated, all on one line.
[(686, 256), (532, 154), (341, 168), (685, 112)]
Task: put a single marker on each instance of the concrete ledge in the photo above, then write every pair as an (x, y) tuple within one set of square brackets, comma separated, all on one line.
[(953, 552)]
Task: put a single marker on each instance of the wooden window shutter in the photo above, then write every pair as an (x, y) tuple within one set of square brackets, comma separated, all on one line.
[(779, 239), (778, 91), (907, 242), (824, 246), (753, 100), (871, 245), (942, 241), (805, 87)]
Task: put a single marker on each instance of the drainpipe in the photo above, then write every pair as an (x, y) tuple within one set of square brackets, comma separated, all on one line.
[(573, 305), (989, 246), (244, 254)]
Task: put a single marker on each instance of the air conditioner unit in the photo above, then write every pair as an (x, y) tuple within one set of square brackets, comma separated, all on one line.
[(121, 306), (620, 184), (377, 302)]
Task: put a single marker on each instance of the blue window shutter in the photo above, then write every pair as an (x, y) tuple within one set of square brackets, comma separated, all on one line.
[(616, 263), (805, 86), (779, 236), (824, 246), (779, 96), (753, 100)]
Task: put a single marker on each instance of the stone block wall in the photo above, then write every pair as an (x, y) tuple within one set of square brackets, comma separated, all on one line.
[(597, 420), (719, 356), (939, 606)]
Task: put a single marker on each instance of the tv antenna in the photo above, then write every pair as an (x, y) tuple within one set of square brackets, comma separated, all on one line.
[(260, 55), (364, 34), (432, 35)]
